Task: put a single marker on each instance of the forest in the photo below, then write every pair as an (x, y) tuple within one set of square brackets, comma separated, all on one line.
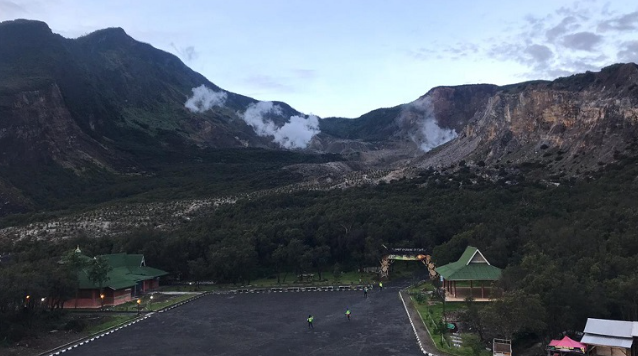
[(574, 246)]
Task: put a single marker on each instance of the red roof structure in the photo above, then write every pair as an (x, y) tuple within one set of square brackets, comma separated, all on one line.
[(567, 345)]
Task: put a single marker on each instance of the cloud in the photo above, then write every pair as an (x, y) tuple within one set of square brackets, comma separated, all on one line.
[(456, 51), (187, 54), (626, 22), (539, 53), (629, 52), (425, 132), (296, 133), (204, 99), (585, 35), (568, 24), (584, 41)]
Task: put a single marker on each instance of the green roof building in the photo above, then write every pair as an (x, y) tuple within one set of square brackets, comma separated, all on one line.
[(127, 278), (471, 267)]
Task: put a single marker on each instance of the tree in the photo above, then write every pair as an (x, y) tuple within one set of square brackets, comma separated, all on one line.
[(473, 317), (98, 273), (296, 254), (233, 259), (62, 284), (336, 272), (279, 257), (320, 258), (75, 262), (474, 342), (515, 312), (198, 270), (441, 328)]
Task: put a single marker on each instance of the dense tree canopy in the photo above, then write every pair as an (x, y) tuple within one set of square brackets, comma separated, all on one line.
[(574, 246)]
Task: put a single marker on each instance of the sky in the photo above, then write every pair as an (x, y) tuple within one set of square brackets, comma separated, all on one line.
[(346, 58)]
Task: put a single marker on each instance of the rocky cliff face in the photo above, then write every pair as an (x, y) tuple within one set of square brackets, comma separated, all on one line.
[(37, 131), (570, 125), (392, 137), (38, 127)]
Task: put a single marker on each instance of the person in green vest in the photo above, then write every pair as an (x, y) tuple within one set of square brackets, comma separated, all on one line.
[(348, 313), (310, 320), (381, 286)]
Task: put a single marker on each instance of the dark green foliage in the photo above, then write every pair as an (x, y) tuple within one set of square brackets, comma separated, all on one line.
[(76, 325), (516, 312), (373, 126), (170, 175), (98, 270), (572, 248)]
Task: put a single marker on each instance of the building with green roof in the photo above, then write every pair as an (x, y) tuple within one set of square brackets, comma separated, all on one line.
[(471, 267), (127, 278)]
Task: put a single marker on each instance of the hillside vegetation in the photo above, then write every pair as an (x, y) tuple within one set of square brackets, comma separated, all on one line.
[(574, 245)]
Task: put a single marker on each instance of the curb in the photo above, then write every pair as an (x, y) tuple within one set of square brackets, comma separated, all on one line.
[(73, 344), (336, 288), (182, 302), (85, 340), (418, 338)]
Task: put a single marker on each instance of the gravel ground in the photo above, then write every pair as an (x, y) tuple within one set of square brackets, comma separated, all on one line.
[(269, 324)]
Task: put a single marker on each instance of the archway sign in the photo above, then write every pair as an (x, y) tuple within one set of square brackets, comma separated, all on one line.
[(406, 254)]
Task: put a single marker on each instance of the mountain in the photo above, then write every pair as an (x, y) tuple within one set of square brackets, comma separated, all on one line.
[(76, 112), (113, 89), (567, 126), (103, 117)]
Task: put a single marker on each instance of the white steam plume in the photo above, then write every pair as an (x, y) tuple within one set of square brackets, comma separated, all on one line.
[(433, 135), (419, 114), (296, 133), (204, 99)]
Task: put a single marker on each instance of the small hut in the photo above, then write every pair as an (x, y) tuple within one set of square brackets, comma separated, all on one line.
[(471, 275), (611, 337)]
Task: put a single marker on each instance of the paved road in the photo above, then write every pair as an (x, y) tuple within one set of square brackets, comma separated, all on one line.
[(269, 324)]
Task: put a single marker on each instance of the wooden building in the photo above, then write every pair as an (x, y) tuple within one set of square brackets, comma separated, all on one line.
[(472, 275), (611, 337), (128, 278)]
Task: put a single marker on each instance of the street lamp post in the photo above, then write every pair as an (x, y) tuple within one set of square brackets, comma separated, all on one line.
[(444, 321), (101, 301), (139, 306)]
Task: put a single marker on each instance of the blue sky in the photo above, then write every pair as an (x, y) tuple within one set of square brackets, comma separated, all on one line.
[(345, 58)]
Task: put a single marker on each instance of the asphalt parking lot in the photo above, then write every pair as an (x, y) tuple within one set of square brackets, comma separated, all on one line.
[(269, 324)]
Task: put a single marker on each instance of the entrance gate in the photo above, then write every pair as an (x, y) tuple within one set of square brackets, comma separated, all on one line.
[(406, 254)]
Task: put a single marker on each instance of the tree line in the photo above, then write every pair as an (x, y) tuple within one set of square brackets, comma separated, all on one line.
[(573, 247)]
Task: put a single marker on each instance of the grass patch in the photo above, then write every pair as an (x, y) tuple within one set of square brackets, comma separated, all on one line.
[(431, 311), (159, 301), (159, 304), (109, 322)]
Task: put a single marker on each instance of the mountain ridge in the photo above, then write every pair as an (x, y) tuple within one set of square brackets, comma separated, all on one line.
[(101, 107)]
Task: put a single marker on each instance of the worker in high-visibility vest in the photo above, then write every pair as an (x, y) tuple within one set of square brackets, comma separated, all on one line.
[(381, 286), (310, 320), (348, 313)]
